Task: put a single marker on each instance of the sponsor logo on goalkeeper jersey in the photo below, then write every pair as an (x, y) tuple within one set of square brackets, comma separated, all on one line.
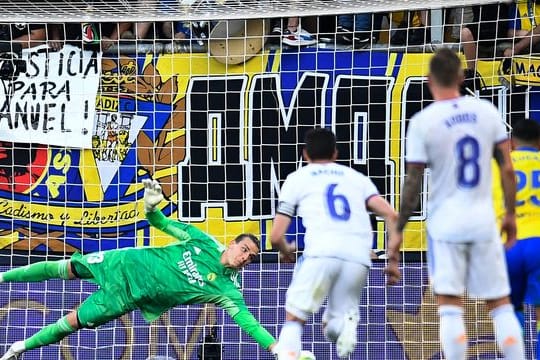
[(189, 268)]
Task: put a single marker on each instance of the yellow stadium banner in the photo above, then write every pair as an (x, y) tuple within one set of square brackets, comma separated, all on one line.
[(526, 70)]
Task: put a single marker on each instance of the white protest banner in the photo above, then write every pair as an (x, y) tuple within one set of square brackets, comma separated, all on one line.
[(54, 101)]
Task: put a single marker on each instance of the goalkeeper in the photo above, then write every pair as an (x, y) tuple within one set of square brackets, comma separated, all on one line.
[(195, 270)]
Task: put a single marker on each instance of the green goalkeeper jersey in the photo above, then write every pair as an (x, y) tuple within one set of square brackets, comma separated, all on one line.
[(188, 272)]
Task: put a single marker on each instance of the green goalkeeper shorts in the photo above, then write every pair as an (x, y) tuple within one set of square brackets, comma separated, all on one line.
[(109, 302)]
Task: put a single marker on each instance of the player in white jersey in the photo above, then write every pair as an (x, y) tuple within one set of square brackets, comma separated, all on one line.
[(456, 137), (333, 201)]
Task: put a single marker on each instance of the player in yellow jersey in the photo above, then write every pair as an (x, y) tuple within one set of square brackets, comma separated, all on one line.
[(523, 258)]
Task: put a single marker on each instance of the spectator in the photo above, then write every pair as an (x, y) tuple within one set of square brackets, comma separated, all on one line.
[(87, 35), (71, 33), (454, 20), (489, 25), (139, 31), (294, 35), (277, 31), (56, 36), (411, 29), (27, 35), (358, 30), (181, 30), (178, 30), (524, 17), (113, 31)]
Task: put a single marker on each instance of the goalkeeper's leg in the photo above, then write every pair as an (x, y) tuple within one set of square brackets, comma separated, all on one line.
[(98, 309), (40, 271), (50, 334)]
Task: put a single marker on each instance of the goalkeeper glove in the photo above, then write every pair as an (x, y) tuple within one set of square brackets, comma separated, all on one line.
[(152, 195)]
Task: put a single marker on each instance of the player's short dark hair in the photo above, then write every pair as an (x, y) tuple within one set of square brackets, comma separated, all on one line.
[(251, 237), (320, 144), (526, 130), (445, 68)]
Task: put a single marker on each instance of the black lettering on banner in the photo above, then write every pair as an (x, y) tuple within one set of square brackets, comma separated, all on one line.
[(27, 112), (7, 117), (33, 68), (416, 96), (213, 172), (92, 67), (71, 68), (47, 118), (361, 106), (22, 114), (277, 134)]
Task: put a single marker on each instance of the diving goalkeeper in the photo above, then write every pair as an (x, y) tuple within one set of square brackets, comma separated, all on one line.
[(195, 270)]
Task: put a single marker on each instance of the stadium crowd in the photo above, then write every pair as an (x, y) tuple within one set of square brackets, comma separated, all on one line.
[(489, 31), (486, 25)]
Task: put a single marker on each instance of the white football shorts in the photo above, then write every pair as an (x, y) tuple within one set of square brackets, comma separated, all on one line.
[(315, 278), (477, 267)]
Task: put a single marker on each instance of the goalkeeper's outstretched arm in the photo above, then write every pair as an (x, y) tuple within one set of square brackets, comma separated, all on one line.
[(152, 197), (238, 311)]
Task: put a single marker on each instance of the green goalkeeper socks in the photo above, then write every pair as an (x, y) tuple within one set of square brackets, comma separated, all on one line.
[(38, 272), (50, 334)]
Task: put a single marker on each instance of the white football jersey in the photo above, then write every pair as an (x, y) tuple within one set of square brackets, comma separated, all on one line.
[(331, 199), (455, 139)]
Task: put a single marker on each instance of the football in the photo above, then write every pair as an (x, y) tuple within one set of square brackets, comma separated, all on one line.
[(306, 355)]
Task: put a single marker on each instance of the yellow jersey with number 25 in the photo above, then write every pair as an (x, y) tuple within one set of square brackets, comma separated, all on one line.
[(526, 161)]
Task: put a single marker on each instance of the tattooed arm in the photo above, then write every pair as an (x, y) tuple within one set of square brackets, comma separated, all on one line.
[(409, 202), (410, 192), (501, 153)]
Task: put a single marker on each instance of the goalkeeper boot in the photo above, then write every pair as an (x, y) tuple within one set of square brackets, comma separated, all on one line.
[(14, 351), (346, 342)]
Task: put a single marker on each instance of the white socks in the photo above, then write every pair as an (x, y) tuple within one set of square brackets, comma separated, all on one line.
[(333, 329), (452, 332), (290, 341), (454, 338), (508, 332)]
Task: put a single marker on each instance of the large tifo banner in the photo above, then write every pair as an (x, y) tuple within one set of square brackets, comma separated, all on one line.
[(396, 323), (219, 139)]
